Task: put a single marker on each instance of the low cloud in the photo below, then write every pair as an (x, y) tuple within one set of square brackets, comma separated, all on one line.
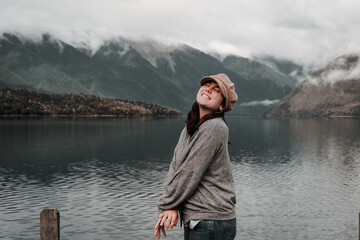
[(306, 31), (257, 103), (339, 70)]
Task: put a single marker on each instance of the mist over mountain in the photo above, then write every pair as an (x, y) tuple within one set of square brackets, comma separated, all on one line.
[(273, 84), (330, 92), (140, 70), (289, 68)]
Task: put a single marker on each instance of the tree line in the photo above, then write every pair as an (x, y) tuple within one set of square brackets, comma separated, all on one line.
[(24, 102)]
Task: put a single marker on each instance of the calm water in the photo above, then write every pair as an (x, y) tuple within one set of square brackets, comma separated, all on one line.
[(295, 179)]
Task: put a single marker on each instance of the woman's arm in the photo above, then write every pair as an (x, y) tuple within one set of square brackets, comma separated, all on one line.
[(195, 158), (187, 169)]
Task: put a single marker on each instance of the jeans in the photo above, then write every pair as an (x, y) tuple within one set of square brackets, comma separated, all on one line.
[(212, 230)]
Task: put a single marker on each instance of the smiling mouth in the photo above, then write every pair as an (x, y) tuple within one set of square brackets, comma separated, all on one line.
[(205, 96)]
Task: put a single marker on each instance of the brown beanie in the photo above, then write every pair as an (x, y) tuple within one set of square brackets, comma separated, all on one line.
[(226, 86)]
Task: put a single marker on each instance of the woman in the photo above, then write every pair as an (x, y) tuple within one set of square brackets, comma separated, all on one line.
[(199, 184)]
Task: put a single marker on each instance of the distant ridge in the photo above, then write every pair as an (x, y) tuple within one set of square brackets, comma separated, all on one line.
[(28, 103), (147, 70), (333, 91)]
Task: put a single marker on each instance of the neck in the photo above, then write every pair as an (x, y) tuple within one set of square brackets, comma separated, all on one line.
[(203, 111)]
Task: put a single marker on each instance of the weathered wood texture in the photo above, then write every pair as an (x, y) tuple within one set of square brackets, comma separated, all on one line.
[(49, 224)]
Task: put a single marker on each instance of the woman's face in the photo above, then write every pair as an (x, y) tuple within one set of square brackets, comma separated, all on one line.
[(210, 96)]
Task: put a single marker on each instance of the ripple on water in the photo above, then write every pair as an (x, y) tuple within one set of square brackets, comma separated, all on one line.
[(294, 180)]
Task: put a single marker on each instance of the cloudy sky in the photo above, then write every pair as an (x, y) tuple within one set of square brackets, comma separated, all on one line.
[(307, 31)]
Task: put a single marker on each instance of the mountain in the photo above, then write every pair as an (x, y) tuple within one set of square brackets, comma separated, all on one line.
[(127, 69), (57, 67), (40, 65), (274, 78), (273, 84), (295, 71), (330, 92)]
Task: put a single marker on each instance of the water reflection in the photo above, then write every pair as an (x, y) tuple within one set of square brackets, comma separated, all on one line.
[(56, 143), (295, 179), (330, 139)]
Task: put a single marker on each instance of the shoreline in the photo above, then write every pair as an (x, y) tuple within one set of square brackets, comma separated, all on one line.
[(90, 116), (320, 117)]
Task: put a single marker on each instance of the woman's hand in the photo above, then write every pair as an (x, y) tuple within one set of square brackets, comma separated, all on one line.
[(172, 218), (158, 227)]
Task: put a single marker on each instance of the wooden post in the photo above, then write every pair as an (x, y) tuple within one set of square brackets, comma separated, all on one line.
[(49, 224)]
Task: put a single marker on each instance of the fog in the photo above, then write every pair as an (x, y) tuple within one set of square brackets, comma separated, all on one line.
[(305, 31), (338, 70)]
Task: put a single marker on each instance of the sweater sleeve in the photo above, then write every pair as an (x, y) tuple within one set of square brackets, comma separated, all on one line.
[(187, 169)]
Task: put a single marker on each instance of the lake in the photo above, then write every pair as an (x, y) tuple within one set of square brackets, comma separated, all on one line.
[(295, 178)]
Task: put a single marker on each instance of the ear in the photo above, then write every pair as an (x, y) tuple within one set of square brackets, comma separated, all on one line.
[(221, 108)]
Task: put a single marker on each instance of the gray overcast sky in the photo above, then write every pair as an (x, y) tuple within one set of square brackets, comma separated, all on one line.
[(308, 31)]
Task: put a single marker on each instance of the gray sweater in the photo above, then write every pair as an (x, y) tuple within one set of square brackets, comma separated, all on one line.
[(200, 183)]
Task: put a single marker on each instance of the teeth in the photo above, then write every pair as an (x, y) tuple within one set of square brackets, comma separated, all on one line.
[(205, 96)]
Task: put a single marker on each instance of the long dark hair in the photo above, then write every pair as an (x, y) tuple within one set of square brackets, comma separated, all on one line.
[(193, 121)]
